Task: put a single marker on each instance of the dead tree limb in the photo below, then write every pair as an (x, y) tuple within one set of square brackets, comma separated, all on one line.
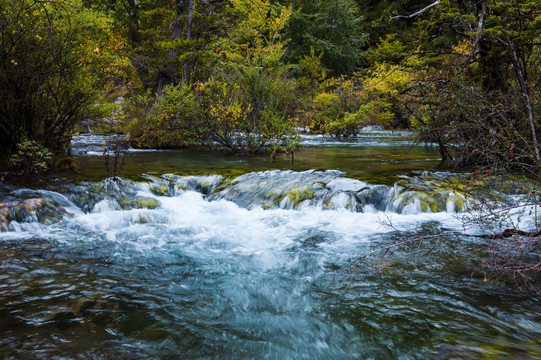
[(420, 12)]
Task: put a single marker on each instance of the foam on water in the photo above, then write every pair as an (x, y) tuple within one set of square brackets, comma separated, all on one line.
[(194, 265)]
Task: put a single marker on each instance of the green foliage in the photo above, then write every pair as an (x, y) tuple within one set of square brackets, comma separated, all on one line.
[(30, 158), (473, 85), (249, 110), (344, 105), (390, 48), (349, 125), (54, 56), (244, 104), (166, 120), (330, 28), (162, 49)]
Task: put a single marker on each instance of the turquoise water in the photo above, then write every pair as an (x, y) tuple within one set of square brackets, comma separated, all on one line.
[(198, 255)]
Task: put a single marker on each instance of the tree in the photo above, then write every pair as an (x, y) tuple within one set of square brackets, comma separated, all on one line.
[(55, 56), (477, 96), (245, 103), (332, 28), (478, 65)]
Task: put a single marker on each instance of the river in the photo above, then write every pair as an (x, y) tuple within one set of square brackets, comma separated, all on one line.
[(199, 255)]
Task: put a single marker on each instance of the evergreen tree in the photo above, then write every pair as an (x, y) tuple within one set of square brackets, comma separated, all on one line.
[(332, 28)]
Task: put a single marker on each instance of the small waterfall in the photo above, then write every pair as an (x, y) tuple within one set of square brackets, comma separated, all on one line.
[(264, 265), (276, 189)]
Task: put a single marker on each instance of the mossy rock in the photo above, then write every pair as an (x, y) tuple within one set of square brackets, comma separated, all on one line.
[(429, 202), (375, 196), (4, 218), (147, 203), (205, 187), (182, 187), (326, 204), (86, 200), (162, 190), (142, 220), (139, 203), (42, 210), (276, 198), (433, 202), (318, 185), (66, 163), (297, 196), (200, 185), (458, 201)]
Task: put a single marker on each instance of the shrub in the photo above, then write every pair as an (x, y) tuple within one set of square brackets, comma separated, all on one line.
[(165, 120), (30, 158)]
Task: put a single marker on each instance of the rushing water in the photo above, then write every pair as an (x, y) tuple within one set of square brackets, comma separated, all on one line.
[(194, 255)]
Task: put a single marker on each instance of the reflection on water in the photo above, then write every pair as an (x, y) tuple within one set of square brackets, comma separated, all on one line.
[(377, 156)]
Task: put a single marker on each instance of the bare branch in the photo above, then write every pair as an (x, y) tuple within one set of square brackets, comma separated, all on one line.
[(477, 37), (526, 95), (420, 12)]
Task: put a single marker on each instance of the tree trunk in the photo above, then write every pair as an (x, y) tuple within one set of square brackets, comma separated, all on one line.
[(133, 31), (526, 95), (190, 20), (188, 37)]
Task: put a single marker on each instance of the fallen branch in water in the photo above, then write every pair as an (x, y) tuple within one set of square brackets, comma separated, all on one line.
[(386, 249), (509, 233), (511, 255)]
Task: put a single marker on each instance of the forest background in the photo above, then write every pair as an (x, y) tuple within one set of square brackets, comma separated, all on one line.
[(246, 75)]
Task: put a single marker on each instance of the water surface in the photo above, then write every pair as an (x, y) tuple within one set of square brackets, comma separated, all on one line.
[(196, 255)]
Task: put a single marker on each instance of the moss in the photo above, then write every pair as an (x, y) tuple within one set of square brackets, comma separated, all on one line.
[(429, 201), (431, 204), (327, 204), (293, 195), (66, 163), (142, 220), (147, 203), (138, 203), (182, 187), (458, 200), (162, 190), (296, 196), (318, 185), (278, 199), (271, 195), (203, 186)]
